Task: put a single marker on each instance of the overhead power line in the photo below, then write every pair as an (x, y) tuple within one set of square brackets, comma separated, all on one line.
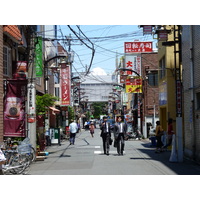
[(92, 48)]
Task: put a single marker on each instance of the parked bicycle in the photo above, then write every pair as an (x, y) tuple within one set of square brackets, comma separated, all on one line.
[(18, 157)]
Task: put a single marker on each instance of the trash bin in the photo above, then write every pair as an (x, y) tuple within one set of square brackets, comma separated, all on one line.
[(153, 141)]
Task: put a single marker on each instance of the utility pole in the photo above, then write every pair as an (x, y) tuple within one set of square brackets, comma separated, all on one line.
[(179, 120), (31, 91)]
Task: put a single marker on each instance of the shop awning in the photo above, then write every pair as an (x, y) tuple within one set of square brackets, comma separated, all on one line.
[(13, 32)]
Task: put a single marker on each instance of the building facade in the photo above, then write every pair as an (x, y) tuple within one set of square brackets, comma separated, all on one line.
[(191, 90), (1, 83), (166, 81), (150, 103), (97, 87)]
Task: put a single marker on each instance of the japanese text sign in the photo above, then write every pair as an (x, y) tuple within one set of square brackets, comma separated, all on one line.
[(38, 57), (133, 62), (137, 47), (134, 85), (65, 85)]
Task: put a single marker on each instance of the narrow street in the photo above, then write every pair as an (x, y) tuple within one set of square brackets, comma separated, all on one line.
[(86, 158)]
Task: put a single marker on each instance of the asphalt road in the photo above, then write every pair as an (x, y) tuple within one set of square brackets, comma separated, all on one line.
[(86, 158)]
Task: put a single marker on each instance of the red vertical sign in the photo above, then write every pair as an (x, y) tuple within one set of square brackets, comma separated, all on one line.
[(14, 108), (65, 85)]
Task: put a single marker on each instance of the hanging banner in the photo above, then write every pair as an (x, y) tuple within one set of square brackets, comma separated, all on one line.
[(65, 85), (31, 114), (137, 47), (38, 57), (14, 108), (133, 62), (134, 85)]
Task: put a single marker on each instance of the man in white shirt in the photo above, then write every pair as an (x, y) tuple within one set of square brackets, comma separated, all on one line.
[(73, 128)]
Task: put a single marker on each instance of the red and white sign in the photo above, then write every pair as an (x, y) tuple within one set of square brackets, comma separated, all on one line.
[(65, 85), (133, 62), (137, 47)]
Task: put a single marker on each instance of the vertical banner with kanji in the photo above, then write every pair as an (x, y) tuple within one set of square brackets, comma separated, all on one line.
[(14, 108), (65, 85), (133, 62), (38, 57)]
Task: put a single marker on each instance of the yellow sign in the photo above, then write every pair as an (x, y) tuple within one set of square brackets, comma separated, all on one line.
[(134, 84), (133, 88)]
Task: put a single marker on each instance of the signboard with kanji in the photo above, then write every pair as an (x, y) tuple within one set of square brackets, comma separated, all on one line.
[(138, 47), (65, 85), (38, 57), (134, 85), (133, 63), (178, 98)]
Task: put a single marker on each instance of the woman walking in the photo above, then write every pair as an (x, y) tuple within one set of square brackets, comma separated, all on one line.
[(91, 127), (159, 133)]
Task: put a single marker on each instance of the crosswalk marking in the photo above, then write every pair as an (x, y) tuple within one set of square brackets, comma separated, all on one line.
[(111, 152), (88, 147)]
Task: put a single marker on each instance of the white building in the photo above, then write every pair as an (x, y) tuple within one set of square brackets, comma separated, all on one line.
[(97, 87)]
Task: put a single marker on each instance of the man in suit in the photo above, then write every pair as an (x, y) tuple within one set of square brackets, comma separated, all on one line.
[(105, 132), (120, 129)]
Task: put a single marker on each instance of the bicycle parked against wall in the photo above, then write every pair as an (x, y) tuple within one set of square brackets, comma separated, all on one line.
[(18, 157)]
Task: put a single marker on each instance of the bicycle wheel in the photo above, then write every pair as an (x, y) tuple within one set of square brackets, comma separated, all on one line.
[(32, 154), (17, 164)]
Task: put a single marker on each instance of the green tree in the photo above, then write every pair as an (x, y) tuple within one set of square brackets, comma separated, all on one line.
[(43, 102), (71, 114), (98, 109)]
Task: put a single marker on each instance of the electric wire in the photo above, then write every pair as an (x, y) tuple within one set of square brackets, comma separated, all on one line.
[(92, 48)]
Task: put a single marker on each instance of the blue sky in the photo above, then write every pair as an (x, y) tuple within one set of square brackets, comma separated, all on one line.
[(108, 41)]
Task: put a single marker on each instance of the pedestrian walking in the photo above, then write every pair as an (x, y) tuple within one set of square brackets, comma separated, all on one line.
[(120, 129), (159, 133), (106, 135), (170, 133), (73, 128), (48, 140), (91, 127)]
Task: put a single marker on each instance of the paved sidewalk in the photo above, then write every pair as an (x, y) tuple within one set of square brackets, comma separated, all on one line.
[(86, 157)]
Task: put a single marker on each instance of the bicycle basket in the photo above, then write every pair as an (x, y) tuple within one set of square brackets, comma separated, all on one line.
[(24, 148)]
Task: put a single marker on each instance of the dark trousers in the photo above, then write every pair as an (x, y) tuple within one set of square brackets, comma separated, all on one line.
[(72, 138), (120, 143), (106, 147), (159, 142), (48, 140)]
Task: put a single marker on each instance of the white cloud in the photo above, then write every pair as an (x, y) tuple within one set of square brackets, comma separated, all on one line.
[(98, 71)]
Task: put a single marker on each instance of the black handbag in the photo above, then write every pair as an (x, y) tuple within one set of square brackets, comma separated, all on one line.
[(110, 141), (115, 143)]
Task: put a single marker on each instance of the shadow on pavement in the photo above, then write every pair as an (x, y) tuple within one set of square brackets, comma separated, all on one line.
[(187, 167)]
